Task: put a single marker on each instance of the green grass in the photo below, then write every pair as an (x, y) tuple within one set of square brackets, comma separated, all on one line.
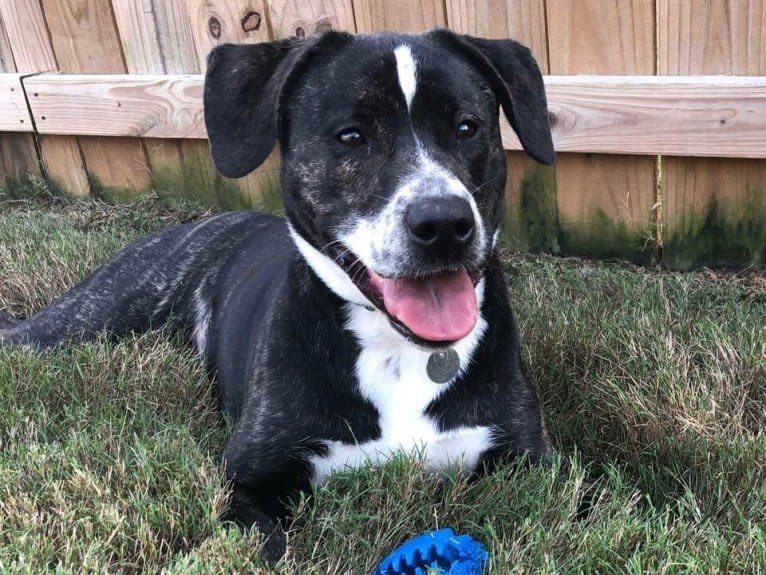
[(655, 382)]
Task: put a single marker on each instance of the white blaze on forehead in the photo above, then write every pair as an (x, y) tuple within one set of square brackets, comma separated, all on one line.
[(406, 70)]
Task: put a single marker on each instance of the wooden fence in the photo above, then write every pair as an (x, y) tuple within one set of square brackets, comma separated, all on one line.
[(658, 106)]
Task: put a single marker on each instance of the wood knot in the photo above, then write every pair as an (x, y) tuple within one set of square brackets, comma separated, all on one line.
[(251, 21), (214, 27), (552, 119), (300, 32)]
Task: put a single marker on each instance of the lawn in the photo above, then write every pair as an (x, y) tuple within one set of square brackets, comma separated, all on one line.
[(653, 382)]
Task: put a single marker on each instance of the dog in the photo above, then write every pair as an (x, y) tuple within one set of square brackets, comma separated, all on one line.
[(374, 318)]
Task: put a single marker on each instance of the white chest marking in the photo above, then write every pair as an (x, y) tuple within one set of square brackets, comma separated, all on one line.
[(392, 375), (406, 70)]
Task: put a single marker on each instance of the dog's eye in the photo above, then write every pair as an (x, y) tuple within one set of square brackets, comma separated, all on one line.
[(466, 129), (351, 137)]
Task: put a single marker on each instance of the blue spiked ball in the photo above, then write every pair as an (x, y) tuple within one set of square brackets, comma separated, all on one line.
[(436, 552)]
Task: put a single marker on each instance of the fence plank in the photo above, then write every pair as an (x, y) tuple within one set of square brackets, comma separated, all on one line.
[(27, 35), (157, 39), (195, 176), (214, 22), (303, 17), (133, 105), (84, 40), (7, 64), (143, 45), (713, 37), (399, 15), (18, 156), (602, 37), (139, 37), (721, 116), (714, 209), (28, 38), (17, 149), (604, 203), (14, 115), (522, 20), (691, 116)]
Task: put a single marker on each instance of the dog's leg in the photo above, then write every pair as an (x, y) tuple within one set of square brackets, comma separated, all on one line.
[(245, 513), (125, 294), (139, 288), (7, 320)]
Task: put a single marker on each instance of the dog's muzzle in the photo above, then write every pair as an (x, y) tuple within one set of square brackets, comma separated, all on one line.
[(438, 306)]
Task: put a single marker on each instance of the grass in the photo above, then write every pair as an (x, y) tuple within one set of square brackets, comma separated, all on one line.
[(654, 382)]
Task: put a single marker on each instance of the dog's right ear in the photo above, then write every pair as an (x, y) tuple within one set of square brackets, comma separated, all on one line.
[(244, 87), (518, 84)]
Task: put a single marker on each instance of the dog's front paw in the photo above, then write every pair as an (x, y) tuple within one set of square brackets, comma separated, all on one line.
[(244, 513)]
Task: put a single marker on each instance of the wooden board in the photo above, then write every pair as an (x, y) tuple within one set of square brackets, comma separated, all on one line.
[(714, 210), (291, 18), (157, 39), (18, 155), (7, 64), (605, 203), (84, 39), (144, 46), (712, 37), (605, 206), (596, 37), (14, 116), (215, 22), (692, 116), (28, 39), (719, 116), (399, 15), (522, 20), (133, 105), (28, 35)]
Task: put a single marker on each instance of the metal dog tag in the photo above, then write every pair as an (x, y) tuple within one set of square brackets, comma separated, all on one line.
[(443, 366)]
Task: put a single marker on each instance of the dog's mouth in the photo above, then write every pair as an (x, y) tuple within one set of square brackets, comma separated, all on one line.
[(434, 309)]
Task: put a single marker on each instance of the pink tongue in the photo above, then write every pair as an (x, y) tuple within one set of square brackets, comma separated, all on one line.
[(441, 307)]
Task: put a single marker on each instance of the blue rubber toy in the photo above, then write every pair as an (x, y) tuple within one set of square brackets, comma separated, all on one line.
[(436, 552)]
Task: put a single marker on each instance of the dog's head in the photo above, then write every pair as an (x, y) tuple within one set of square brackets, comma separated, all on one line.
[(392, 166)]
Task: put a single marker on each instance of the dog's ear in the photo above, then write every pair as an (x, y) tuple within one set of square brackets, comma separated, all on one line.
[(518, 85), (244, 88)]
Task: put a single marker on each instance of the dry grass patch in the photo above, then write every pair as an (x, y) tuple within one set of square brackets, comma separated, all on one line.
[(654, 381)]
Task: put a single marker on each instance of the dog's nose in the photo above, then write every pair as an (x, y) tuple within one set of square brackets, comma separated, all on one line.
[(440, 224)]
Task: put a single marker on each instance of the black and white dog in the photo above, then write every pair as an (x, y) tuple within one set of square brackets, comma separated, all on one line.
[(375, 318)]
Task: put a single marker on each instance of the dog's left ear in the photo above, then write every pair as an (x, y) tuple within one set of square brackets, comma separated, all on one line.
[(244, 88), (518, 85)]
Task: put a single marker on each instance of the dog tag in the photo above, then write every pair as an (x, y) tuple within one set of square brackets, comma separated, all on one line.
[(443, 366)]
